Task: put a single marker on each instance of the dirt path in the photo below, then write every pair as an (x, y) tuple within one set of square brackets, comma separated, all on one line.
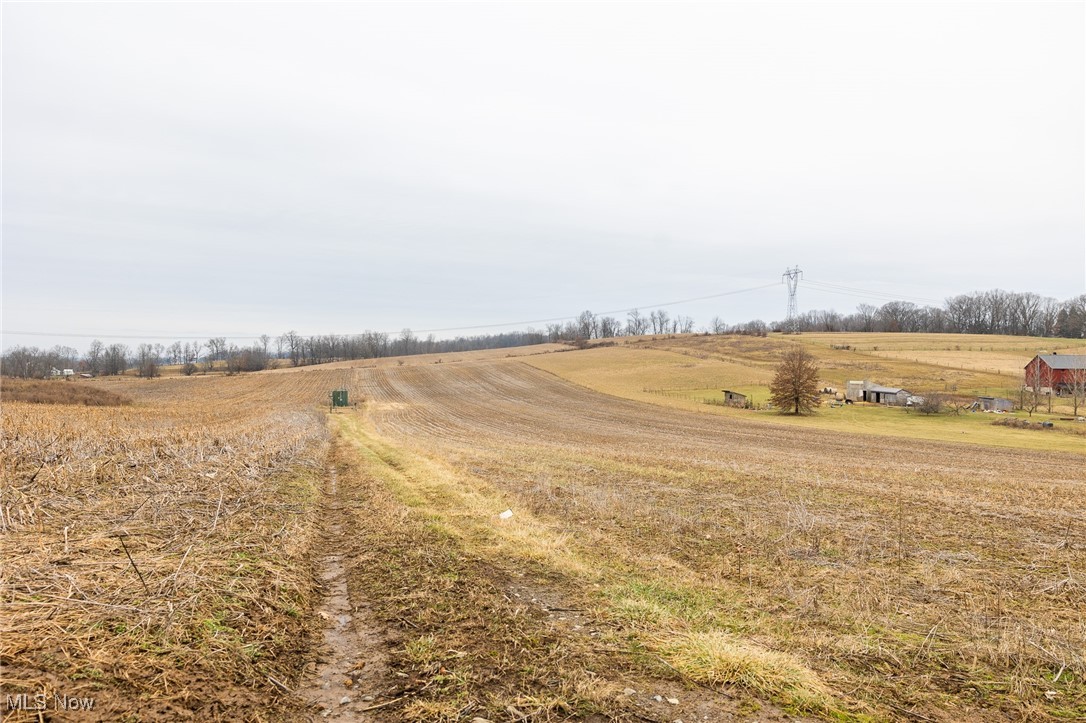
[(350, 672)]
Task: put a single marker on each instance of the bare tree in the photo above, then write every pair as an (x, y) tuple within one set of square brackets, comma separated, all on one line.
[(1038, 379), (636, 325), (794, 388), (293, 342), (174, 353), (95, 352), (659, 320), (216, 350), (587, 325), (609, 327), (147, 361), (866, 314), (115, 360), (1075, 385), (933, 403)]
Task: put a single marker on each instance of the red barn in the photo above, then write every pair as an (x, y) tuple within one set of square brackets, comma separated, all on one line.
[(1055, 371)]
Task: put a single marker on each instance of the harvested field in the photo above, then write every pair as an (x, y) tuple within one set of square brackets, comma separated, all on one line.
[(155, 556), (167, 557), (898, 580)]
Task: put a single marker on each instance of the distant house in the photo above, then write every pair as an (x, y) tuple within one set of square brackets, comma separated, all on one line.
[(1054, 371), (734, 399)]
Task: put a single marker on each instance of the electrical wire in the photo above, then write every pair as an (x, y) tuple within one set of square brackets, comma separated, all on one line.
[(416, 331), (866, 293)]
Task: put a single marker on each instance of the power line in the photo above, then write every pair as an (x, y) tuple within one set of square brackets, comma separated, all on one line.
[(156, 337), (867, 293), (601, 313)]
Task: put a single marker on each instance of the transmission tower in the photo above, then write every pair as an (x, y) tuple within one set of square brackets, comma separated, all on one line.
[(792, 277)]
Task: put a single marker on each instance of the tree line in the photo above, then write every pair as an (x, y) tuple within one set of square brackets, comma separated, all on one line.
[(217, 354), (982, 312), (987, 312)]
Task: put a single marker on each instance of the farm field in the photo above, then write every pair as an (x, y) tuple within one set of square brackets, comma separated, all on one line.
[(894, 581), (155, 554), (684, 371), (660, 559)]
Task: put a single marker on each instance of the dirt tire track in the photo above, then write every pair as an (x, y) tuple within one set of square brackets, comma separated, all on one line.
[(346, 680)]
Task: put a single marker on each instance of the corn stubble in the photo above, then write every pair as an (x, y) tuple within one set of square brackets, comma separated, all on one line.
[(833, 574), (149, 547), (154, 555)]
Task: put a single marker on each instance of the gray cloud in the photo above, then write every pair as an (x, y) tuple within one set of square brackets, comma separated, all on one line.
[(331, 167)]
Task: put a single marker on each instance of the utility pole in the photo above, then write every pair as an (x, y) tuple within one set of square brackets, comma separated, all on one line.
[(791, 277)]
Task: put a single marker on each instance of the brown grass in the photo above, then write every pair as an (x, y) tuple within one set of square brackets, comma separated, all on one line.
[(158, 555), (899, 578), (56, 391), (155, 555)]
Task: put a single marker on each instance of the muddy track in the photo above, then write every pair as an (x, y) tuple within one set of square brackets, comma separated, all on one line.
[(348, 677)]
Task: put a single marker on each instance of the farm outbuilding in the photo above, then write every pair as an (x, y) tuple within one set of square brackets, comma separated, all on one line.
[(866, 391), (1055, 371), (994, 404), (734, 399), (892, 396)]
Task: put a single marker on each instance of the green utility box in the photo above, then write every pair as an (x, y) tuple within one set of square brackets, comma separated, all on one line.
[(339, 398)]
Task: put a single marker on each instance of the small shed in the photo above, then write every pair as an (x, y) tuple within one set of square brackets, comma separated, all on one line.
[(734, 399), (867, 391), (892, 396), (994, 404)]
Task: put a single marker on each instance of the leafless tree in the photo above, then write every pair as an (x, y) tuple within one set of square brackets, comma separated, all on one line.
[(1038, 379), (659, 321), (609, 327), (147, 361), (1075, 386), (933, 403), (794, 388), (866, 313), (216, 351), (636, 325), (587, 325), (95, 352), (293, 343), (115, 359)]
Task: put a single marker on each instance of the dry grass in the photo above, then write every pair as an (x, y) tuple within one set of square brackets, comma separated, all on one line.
[(903, 579), (158, 552), (157, 555), (56, 391), (719, 658), (687, 371)]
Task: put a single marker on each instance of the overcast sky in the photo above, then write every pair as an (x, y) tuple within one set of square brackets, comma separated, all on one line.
[(236, 169)]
